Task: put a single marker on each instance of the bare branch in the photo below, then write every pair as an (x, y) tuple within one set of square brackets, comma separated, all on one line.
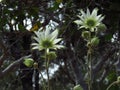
[(100, 64), (4, 51), (12, 66)]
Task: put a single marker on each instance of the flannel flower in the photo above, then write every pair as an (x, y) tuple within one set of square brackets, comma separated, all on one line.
[(46, 40), (89, 20)]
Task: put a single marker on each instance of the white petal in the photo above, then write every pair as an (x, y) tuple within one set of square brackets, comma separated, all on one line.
[(36, 47), (34, 44), (59, 46), (81, 17), (83, 13), (78, 22), (37, 39), (98, 17), (47, 33), (101, 19), (54, 34), (88, 12), (94, 12), (78, 16), (37, 33), (57, 40)]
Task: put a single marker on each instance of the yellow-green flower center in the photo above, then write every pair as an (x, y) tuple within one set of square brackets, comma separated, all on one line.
[(91, 23), (47, 43)]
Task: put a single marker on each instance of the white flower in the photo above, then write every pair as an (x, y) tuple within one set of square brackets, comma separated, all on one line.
[(89, 20), (46, 40)]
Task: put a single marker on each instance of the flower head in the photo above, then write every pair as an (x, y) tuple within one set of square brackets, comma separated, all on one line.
[(89, 20), (46, 40)]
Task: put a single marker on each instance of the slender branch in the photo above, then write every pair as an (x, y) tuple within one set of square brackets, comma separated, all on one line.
[(76, 70), (2, 58), (12, 66), (100, 64), (4, 55), (44, 82)]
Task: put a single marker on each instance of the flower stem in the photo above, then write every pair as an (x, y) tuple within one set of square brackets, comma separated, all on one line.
[(89, 58), (47, 69), (89, 70)]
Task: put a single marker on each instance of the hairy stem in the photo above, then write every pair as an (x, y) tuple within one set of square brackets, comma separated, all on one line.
[(89, 58), (89, 70), (47, 69)]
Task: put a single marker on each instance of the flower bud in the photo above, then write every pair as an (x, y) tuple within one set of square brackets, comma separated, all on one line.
[(95, 41), (51, 55), (101, 27), (77, 87), (86, 34), (28, 62), (89, 44), (35, 65)]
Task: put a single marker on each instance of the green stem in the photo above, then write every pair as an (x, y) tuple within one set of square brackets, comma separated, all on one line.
[(89, 69), (47, 69), (111, 85), (89, 58)]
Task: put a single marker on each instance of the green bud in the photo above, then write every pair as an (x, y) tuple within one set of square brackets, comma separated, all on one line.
[(35, 65), (89, 44), (28, 62), (101, 27), (86, 34), (51, 55), (95, 41), (77, 87)]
